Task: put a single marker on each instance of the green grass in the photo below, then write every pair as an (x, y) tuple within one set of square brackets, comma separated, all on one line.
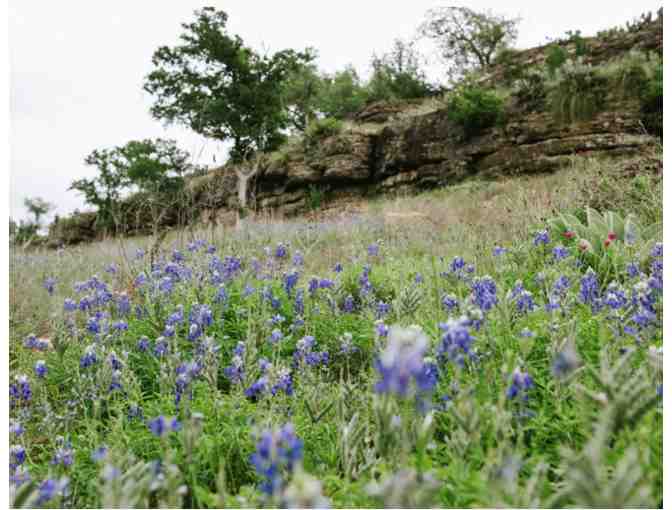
[(480, 447)]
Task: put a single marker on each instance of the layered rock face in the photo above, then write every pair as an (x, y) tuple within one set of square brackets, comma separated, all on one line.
[(390, 147)]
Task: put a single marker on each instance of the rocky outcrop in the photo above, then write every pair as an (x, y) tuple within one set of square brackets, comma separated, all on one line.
[(396, 146)]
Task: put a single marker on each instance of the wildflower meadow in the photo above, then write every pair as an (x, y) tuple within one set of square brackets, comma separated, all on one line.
[(318, 365)]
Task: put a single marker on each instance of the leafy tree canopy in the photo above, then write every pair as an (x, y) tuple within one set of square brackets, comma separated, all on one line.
[(155, 166), (38, 207), (220, 88), (468, 39)]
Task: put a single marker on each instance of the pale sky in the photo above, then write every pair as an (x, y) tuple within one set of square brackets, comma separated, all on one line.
[(77, 67)]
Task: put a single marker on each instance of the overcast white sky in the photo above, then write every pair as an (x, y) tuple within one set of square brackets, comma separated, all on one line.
[(77, 67)]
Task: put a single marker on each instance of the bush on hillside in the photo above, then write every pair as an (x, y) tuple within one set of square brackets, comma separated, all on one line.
[(322, 128), (474, 108), (579, 92)]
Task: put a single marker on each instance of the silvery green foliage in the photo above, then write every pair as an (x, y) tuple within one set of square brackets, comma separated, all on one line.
[(304, 491), (355, 456), (409, 300), (406, 489), (507, 489), (589, 481)]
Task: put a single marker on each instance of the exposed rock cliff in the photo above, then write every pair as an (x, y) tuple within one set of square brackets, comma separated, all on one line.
[(416, 146)]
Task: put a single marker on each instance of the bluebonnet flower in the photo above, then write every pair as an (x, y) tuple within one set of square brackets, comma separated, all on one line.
[(276, 319), (50, 285), (457, 264), (589, 292), (560, 252), (20, 391), (88, 358), (402, 362), (120, 326), (297, 259), (18, 476), (542, 237), (143, 344), (41, 368), (235, 371), (277, 453), (523, 298), (63, 455), (382, 309), (177, 256), (135, 412), (222, 296), (140, 280), (276, 336), (186, 373), (160, 347), (632, 269), (290, 281), (418, 278), (299, 305), (657, 250), (381, 329), (17, 454), (338, 268), (280, 251), (139, 253), (326, 283), (283, 382), (16, 428), (99, 453), (313, 285), (69, 305), (364, 283), (177, 317), (527, 333), (115, 382), (111, 268), (160, 426), (347, 347), (304, 353), (200, 317), (484, 293), (456, 343), (373, 249), (349, 304), (123, 304), (49, 489), (38, 344), (615, 297), (258, 388), (498, 251), (166, 285), (566, 361), (521, 383), (211, 249), (449, 302)]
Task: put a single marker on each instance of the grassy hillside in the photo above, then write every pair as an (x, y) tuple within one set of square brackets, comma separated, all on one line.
[(455, 348)]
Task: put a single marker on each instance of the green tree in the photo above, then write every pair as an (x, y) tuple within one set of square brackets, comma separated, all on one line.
[(468, 39), (38, 207), (154, 167), (104, 191), (301, 92), (342, 94), (397, 74), (220, 88)]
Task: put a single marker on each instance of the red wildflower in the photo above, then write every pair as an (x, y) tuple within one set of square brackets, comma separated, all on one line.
[(569, 234)]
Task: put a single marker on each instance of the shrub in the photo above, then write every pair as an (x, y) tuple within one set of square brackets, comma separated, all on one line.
[(530, 91), (474, 108), (556, 56), (512, 68), (579, 92), (315, 197), (652, 101), (322, 128)]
